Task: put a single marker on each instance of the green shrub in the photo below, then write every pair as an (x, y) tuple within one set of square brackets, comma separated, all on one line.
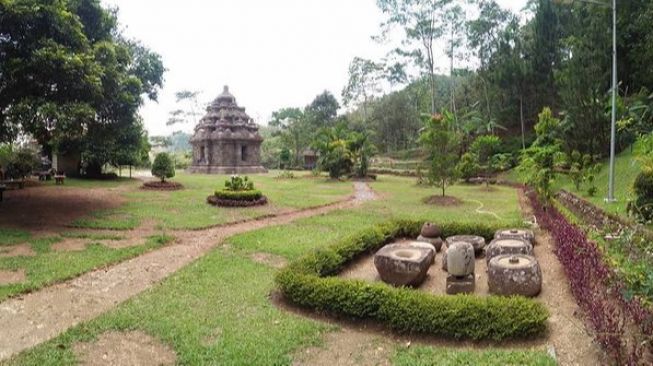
[(305, 283), (238, 183), (642, 207), (468, 167), (22, 163), (252, 195), (162, 167)]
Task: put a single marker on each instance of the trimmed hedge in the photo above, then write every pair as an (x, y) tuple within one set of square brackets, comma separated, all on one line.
[(250, 195), (305, 282)]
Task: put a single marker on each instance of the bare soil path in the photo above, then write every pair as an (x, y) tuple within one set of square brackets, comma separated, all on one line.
[(43, 212), (37, 317)]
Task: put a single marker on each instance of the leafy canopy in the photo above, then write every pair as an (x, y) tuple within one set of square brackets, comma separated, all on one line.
[(442, 144)]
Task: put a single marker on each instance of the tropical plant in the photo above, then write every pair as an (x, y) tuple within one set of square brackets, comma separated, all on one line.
[(332, 143), (538, 161), (485, 147), (237, 183), (468, 167), (362, 150)]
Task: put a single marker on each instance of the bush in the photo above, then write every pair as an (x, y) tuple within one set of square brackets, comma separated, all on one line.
[(468, 167), (22, 163), (162, 167), (238, 183), (642, 207), (461, 317), (251, 195), (286, 174)]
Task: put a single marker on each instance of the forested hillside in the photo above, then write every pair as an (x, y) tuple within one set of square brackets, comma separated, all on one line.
[(504, 68)]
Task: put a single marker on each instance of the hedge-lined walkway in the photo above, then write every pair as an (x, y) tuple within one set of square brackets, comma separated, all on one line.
[(40, 316)]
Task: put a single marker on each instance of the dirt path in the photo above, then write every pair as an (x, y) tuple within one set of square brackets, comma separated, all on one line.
[(47, 210), (37, 317)]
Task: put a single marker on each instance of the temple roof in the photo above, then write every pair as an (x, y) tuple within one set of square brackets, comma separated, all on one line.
[(225, 120), (226, 96)]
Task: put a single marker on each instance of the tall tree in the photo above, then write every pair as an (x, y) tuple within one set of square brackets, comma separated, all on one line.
[(190, 109), (70, 79), (423, 24), (484, 34), (294, 130), (363, 84), (545, 52), (442, 144), (454, 23), (323, 110), (584, 78)]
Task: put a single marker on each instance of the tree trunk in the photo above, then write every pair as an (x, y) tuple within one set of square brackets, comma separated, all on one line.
[(432, 76), (130, 172), (453, 84), (521, 117)]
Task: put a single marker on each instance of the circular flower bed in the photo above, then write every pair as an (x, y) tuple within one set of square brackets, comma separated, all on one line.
[(162, 186), (228, 198)]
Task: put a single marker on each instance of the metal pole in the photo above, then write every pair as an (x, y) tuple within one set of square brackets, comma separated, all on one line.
[(611, 197)]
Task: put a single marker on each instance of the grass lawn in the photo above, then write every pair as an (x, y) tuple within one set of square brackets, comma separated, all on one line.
[(403, 199), (232, 321), (48, 266), (428, 356), (12, 236), (626, 170), (187, 208)]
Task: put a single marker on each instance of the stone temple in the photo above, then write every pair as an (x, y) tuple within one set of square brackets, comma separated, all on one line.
[(226, 140)]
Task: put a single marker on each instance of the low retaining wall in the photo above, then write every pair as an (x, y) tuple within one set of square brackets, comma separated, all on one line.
[(591, 214)]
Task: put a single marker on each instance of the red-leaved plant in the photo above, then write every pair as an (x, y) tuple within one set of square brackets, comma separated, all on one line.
[(597, 292)]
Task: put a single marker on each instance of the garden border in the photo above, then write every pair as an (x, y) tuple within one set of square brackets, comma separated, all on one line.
[(309, 282)]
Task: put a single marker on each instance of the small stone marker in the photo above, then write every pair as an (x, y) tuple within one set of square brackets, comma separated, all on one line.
[(460, 265), (460, 285)]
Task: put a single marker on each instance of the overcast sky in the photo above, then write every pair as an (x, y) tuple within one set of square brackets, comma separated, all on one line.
[(272, 54)]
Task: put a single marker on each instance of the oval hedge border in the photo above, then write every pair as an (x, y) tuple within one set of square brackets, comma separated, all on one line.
[(309, 282), (227, 198)]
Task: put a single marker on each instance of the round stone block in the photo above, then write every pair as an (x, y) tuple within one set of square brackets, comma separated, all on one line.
[(430, 230), (524, 234), (516, 274), (436, 242), (460, 259), (507, 246), (404, 265)]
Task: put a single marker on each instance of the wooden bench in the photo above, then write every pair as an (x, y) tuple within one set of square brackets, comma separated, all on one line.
[(59, 179)]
